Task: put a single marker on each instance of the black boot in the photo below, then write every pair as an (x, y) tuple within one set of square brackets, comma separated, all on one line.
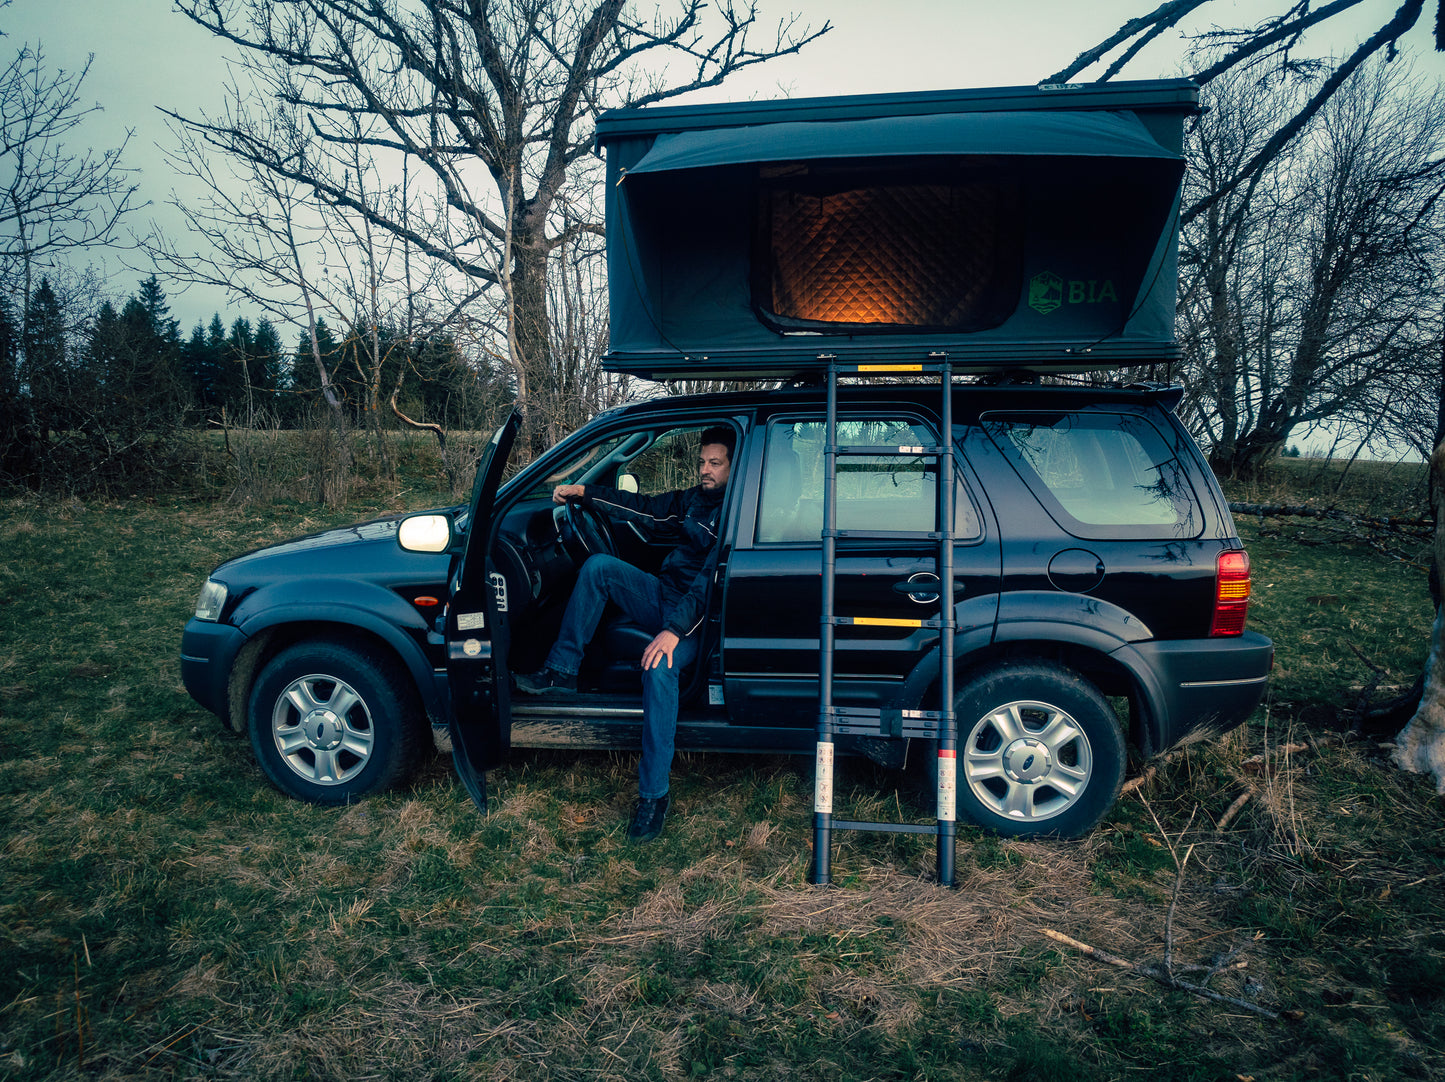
[(647, 818), (546, 682)]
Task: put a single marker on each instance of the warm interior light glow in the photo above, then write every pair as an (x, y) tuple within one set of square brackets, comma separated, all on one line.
[(886, 254)]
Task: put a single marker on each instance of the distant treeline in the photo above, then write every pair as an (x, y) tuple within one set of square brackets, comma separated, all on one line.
[(103, 399)]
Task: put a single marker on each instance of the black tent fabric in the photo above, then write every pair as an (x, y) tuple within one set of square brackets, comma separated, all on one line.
[(1052, 132), (1035, 233)]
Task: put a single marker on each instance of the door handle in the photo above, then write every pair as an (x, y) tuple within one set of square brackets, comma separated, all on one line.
[(920, 590)]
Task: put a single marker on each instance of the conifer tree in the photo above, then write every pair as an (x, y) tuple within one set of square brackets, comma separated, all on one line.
[(44, 365), (12, 459), (305, 380), (267, 367)]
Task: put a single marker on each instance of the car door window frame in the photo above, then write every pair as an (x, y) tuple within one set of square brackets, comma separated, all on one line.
[(968, 516)]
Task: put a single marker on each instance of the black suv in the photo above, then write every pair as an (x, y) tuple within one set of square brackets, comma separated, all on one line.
[(1099, 586)]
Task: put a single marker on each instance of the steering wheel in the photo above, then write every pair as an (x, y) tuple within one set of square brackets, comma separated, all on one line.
[(583, 531)]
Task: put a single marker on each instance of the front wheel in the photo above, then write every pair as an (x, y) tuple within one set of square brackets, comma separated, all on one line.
[(330, 723), (1039, 752)]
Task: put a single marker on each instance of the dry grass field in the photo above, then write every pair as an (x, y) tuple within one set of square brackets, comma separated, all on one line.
[(165, 914)]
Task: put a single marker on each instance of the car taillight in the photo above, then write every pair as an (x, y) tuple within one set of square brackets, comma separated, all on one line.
[(1231, 593)]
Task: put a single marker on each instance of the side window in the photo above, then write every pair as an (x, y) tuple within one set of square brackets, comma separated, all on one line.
[(1101, 475), (589, 463), (669, 462), (879, 494), (658, 460)]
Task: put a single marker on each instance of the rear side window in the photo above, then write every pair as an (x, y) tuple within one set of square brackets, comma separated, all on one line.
[(879, 495), (1100, 475)]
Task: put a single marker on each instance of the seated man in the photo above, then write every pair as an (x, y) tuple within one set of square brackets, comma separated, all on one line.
[(672, 603)]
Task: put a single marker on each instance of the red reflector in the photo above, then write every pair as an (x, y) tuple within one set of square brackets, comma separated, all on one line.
[(424, 602), (1231, 593)]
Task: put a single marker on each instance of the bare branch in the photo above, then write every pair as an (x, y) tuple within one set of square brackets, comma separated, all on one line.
[(1150, 26), (54, 200), (1385, 37), (493, 102)]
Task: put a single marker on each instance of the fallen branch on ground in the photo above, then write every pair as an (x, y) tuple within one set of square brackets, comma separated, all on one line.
[(1231, 811), (1385, 534), (1164, 974), (1401, 523), (1157, 973), (1137, 782)]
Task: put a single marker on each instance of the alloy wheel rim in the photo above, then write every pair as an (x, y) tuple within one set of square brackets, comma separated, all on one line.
[(1027, 761), (323, 729)]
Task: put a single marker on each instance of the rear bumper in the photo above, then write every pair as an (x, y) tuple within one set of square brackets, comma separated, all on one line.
[(1199, 688), (208, 652)]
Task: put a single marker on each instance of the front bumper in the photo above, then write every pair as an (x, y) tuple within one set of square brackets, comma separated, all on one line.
[(208, 653)]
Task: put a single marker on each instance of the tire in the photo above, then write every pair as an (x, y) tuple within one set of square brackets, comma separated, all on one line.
[(330, 723), (1039, 752)]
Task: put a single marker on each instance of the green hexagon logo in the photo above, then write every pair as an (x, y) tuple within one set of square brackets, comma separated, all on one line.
[(1046, 292)]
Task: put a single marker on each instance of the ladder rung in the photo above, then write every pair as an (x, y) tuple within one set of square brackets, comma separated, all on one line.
[(886, 828), (886, 535), (882, 621), (918, 732), (933, 364), (895, 724), (881, 450), (874, 712)]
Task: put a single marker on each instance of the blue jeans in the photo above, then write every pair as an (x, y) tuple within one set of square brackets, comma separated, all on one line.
[(639, 596)]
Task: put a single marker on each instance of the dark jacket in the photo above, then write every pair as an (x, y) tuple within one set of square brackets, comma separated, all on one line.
[(694, 517)]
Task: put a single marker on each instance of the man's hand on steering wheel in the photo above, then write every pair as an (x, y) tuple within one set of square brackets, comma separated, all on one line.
[(563, 493), (581, 528)]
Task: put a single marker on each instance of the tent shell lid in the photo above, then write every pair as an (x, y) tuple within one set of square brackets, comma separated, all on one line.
[(1084, 179), (1167, 96)]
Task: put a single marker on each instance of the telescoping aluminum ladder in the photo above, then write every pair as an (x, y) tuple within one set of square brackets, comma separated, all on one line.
[(941, 724)]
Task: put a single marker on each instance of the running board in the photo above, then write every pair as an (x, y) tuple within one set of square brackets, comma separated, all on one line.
[(564, 725)]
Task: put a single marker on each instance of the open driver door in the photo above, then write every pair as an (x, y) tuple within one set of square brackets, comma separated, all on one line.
[(478, 633)]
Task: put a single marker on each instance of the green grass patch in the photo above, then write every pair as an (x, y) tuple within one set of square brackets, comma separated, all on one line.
[(165, 913)]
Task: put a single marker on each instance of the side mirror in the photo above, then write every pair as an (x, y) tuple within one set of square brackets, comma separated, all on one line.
[(425, 533), (626, 483)]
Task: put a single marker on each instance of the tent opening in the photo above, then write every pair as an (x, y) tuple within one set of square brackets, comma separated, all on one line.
[(905, 248)]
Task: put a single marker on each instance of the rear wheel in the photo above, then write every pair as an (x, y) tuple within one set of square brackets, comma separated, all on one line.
[(330, 723), (1039, 751)]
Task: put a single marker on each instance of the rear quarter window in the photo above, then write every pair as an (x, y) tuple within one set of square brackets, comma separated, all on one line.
[(1100, 475)]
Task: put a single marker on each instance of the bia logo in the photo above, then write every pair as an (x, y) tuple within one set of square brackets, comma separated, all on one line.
[(1047, 291)]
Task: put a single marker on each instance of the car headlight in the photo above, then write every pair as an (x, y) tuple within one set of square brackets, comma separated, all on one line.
[(211, 601)]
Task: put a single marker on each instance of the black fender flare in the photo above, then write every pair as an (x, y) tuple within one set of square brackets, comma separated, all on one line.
[(1052, 621), (373, 611)]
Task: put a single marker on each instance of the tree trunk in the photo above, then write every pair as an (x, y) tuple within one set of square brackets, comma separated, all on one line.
[(1420, 747), (529, 327), (553, 404), (1254, 452)]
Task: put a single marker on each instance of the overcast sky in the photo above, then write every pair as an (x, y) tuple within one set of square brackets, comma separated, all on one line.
[(148, 56)]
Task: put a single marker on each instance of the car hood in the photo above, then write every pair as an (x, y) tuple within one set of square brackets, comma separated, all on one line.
[(335, 551)]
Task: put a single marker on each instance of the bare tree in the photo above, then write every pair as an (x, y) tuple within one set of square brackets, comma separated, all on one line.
[(1227, 261), (302, 258), (255, 233), (1273, 45), (56, 200), (493, 103), (1308, 294)]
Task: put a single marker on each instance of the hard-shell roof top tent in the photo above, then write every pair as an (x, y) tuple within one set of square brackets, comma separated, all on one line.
[(1015, 228)]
